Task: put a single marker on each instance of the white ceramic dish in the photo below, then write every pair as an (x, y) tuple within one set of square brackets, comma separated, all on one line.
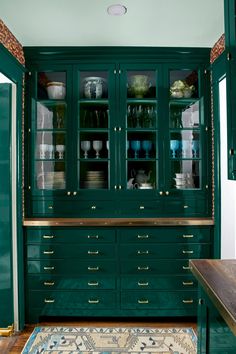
[(56, 90)]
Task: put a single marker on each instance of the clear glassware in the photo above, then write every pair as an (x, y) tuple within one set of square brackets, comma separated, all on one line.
[(135, 146), (174, 146), (60, 149), (97, 146), (85, 146), (43, 148), (195, 148), (51, 151), (147, 145)]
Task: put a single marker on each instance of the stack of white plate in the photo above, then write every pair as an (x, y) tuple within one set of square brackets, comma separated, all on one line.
[(184, 180), (51, 180), (95, 180)]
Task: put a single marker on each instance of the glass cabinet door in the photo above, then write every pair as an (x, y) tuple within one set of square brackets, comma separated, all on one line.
[(94, 129), (140, 105), (50, 139), (185, 107)]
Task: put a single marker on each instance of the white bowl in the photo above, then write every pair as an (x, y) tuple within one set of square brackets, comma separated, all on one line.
[(56, 90)]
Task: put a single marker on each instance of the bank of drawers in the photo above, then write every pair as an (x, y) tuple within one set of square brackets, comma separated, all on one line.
[(113, 271)]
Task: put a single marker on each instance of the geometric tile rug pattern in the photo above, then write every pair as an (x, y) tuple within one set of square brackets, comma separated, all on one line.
[(90, 340)]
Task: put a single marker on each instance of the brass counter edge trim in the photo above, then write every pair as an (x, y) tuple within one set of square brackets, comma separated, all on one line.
[(7, 332), (223, 310), (118, 222)]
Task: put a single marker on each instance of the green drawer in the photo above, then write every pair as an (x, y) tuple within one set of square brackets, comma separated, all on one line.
[(141, 209), (96, 299), (68, 282), (158, 299), (67, 251), (165, 251), (186, 207), (182, 234), (70, 235), (71, 267), (158, 282), (168, 266)]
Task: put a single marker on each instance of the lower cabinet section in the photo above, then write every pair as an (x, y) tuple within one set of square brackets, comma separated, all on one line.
[(119, 271)]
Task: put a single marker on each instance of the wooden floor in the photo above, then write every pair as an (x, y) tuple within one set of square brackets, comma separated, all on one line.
[(15, 343)]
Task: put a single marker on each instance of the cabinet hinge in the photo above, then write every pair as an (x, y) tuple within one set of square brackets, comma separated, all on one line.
[(229, 56)]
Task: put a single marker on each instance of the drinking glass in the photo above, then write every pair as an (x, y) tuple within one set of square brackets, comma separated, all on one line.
[(195, 147), (51, 150), (185, 148), (174, 146), (135, 146), (85, 146), (147, 145), (43, 148), (97, 146), (60, 149)]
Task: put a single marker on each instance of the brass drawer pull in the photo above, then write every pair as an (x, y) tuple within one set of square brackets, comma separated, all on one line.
[(186, 268), (93, 253), (93, 301), (93, 268), (143, 252), (143, 284), (48, 236), (143, 301), (49, 301), (50, 207), (49, 283), (188, 301), (187, 283), (93, 207), (143, 268), (48, 252), (93, 283), (93, 237), (186, 206), (48, 268), (187, 236), (141, 207), (143, 236), (187, 252)]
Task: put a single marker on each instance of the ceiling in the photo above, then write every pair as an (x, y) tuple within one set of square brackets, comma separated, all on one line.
[(175, 23)]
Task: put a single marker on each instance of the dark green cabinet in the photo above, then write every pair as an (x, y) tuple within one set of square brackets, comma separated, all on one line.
[(115, 138)]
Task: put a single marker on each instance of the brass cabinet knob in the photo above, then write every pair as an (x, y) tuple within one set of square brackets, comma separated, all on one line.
[(68, 193), (167, 192), (141, 207), (161, 192), (74, 193), (93, 207), (50, 207)]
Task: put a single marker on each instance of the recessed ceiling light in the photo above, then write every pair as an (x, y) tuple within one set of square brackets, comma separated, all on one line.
[(117, 10)]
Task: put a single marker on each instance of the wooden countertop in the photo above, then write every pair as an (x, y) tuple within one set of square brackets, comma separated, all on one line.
[(118, 222), (218, 279)]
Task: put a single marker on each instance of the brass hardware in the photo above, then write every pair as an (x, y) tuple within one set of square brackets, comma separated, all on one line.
[(93, 301), (143, 252), (161, 192), (143, 268), (143, 284), (74, 193), (7, 332), (50, 207), (29, 187), (186, 268), (93, 236), (115, 186), (115, 129), (93, 252), (188, 236), (49, 283), (143, 236), (207, 186), (141, 207), (30, 73), (68, 193), (187, 283), (187, 252), (229, 56), (188, 301), (206, 129), (93, 268), (119, 187), (200, 301), (119, 129), (115, 71), (186, 206), (91, 283), (205, 71), (167, 192), (48, 268), (48, 236), (143, 301), (29, 130), (48, 252), (93, 207), (49, 301), (119, 71)]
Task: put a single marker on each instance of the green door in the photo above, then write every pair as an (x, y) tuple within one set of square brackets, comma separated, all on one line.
[(6, 279)]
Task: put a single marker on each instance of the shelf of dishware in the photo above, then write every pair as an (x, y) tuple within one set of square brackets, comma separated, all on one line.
[(185, 174), (141, 115), (93, 174), (94, 116), (50, 175)]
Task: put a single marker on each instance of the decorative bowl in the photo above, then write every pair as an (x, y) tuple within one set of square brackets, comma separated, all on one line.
[(94, 87), (139, 85), (56, 90)]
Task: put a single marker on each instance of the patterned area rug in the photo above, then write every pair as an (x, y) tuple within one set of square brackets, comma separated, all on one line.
[(71, 340)]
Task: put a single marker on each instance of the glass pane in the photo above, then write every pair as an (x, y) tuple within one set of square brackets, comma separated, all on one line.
[(51, 85), (50, 146), (184, 84), (50, 175), (141, 84), (141, 175), (94, 115), (184, 144), (93, 175), (184, 115), (93, 85), (141, 115), (51, 116), (185, 174)]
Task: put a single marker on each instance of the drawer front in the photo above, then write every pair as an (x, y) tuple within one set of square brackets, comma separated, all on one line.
[(54, 282), (158, 299), (71, 267), (67, 251), (70, 235), (165, 235), (165, 251), (146, 267), (141, 209), (72, 299), (158, 282), (186, 207)]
